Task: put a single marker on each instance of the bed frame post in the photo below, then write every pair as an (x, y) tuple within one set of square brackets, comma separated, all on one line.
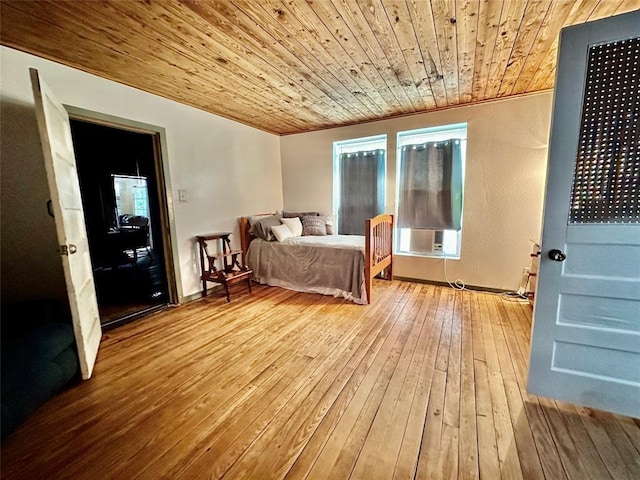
[(368, 261), (243, 224), (378, 249), (389, 235)]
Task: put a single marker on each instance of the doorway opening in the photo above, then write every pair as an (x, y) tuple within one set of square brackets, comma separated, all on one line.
[(124, 203)]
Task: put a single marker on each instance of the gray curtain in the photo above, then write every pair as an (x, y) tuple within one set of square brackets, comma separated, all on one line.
[(361, 189), (430, 188)]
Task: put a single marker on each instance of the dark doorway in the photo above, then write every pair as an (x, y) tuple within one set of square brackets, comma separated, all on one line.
[(122, 207)]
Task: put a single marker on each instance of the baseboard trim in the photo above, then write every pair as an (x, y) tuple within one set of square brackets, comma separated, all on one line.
[(478, 288), (198, 295)]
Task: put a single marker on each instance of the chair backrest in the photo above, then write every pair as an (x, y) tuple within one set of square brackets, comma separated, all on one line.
[(133, 221)]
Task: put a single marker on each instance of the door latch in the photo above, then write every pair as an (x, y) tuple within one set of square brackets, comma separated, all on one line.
[(68, 250)]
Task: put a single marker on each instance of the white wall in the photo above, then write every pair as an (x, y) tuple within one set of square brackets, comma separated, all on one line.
[(231, 170), (504, 183), (227, 169)]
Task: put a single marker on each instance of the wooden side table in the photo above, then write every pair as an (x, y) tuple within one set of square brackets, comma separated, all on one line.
[(224, 266)]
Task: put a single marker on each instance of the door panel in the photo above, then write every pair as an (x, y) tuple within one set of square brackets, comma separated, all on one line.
[(62, 177), (586, 331), (598, 337), (69, 190), (596, 362), (605, 312)]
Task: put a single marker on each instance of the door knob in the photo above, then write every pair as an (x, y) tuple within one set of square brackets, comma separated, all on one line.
[(557, 255)]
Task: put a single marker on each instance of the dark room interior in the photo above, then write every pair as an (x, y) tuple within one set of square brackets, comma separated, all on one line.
[(120, 196)]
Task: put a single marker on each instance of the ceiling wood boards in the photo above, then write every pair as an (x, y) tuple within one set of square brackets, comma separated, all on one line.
[(296, 66)]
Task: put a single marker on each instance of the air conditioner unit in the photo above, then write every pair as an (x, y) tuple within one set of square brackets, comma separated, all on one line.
[(423, 241)]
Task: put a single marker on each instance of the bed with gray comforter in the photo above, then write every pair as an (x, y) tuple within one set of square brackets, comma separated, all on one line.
[(330, 265)]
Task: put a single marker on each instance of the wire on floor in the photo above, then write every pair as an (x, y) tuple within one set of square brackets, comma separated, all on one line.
[(514, 297), (457, 284)]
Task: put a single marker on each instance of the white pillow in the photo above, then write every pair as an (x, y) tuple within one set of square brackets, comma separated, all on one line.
[(281, 232), (330, 221), (294, 224)]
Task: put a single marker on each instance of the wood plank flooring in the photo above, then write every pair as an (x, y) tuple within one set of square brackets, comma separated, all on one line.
[(424, 383)]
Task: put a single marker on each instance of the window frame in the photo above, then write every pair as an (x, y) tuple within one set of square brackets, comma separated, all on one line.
[(430, 134), (352, 145)]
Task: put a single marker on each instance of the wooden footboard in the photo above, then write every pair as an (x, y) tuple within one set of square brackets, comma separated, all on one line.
[(378, 249)]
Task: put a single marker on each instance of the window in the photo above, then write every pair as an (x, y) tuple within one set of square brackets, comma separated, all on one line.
[(131, 195), (430, 173), (359, 182)]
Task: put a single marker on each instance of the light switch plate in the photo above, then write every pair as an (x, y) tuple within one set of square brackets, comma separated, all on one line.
[(182, 195)]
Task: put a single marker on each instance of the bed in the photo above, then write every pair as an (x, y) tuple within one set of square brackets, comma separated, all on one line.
[(339, 265)]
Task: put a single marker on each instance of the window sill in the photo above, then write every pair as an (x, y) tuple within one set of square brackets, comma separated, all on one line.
[(435, 256)]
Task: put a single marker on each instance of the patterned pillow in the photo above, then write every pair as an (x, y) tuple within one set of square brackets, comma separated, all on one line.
[(314, 225)]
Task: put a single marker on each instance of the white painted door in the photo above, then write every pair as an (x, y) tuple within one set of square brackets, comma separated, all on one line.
[(62, 176), (586, 333)]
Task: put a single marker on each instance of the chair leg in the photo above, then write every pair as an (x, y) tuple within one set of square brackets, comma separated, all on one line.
[(249, 283), (226, 287)]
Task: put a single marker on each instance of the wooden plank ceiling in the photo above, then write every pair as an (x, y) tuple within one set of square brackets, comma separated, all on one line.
[(296, 66)]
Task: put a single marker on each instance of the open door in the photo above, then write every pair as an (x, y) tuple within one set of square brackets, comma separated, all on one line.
[(586, 333), (60, 163)]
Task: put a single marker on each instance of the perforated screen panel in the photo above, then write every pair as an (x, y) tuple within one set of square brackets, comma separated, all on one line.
[(606, 182)]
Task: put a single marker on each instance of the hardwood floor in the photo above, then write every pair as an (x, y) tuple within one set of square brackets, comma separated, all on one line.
[(425, 383)]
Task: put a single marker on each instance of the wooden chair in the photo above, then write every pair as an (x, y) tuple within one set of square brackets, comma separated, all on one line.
[(226, 266), (135, 230)]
